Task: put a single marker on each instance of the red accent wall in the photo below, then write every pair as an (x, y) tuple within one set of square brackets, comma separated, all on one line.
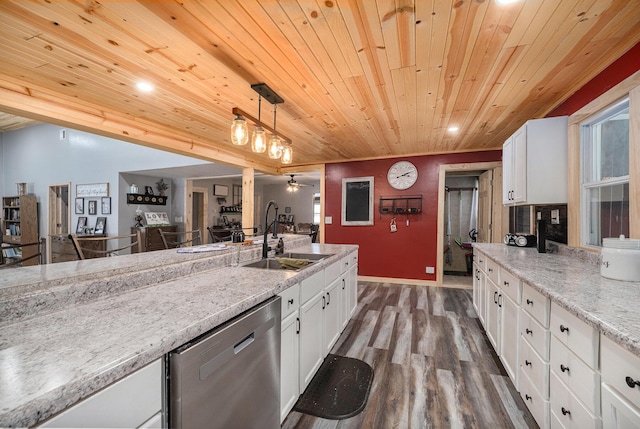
[(405, 253)]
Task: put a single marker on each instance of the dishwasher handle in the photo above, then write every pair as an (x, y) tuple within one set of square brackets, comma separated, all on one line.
[(244, 343)]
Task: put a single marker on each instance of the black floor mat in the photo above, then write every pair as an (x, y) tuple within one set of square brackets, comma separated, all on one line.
[(339, 389)]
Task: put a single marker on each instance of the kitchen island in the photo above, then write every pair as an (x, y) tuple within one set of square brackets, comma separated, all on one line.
[(67, 331)]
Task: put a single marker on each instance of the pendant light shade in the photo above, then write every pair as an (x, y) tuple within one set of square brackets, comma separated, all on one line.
[(239, 131), (275, 147), (287, 154), (259, 140)]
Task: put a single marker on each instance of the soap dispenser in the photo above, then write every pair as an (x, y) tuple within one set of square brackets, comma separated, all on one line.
[(280, 247)]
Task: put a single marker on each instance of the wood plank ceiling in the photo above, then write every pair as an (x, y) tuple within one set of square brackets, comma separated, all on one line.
[(361, 79)]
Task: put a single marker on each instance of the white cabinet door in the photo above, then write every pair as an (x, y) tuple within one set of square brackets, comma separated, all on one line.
[(289, 371), (332, 320), (312, 350), (494, 298), (617, 412), (519, 174), (345, 308), (509, 337), (353, 289), (507, 171), (479, 294)]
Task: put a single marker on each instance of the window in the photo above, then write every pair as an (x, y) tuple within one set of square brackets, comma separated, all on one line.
[(316, 208), (605, 174)]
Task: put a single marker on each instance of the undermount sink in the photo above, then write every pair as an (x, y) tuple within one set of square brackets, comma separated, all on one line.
[(309, 256), (274, 264)]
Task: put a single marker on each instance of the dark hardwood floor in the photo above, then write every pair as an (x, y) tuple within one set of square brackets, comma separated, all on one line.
[(433, 364)]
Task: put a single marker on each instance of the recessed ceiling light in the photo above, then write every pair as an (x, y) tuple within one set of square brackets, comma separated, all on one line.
[(144, 86), (453, 129), (505, 2)]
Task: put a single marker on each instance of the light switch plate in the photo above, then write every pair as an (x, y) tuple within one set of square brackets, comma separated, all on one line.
[(555, 217), (328, 220)]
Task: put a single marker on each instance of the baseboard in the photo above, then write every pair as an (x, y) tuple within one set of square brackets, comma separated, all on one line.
[(397, 281)]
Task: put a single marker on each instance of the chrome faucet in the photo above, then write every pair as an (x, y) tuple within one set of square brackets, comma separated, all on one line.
[(265, 246)]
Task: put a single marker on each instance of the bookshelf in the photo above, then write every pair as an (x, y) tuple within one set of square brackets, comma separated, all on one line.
[(20, 225)]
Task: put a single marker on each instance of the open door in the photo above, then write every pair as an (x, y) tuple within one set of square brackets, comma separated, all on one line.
[(59, 209)]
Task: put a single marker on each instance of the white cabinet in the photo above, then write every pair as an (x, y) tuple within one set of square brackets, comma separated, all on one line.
[(534, 163), (620, 386), (134, 401), (349, 279), (510, 338), (494, 315), (289, 346), (312, 350), (479, 285), (332, 319)]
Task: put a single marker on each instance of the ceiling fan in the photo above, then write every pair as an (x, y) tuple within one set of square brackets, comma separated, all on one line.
[(292, 185)]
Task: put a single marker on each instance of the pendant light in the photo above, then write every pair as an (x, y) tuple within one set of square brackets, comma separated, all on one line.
[(259, 137), (287, 153), (239, 131), (275, 147)]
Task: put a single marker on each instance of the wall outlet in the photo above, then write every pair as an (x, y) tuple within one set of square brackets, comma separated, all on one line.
[(430, 270), (178, 219), (328, 220)]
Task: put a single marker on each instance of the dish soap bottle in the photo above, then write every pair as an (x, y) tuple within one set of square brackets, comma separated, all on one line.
[(280, 247)]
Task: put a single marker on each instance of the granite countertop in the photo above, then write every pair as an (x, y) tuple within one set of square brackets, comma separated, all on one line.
[(54, 357), (574, 282)]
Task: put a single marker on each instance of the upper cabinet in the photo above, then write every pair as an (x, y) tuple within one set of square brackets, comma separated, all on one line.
[(534, 163)]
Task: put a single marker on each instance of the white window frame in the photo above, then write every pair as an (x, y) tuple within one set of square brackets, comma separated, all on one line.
[(587, 163)]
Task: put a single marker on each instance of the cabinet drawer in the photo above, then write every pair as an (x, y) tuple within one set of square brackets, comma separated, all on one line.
[(536, 304), (567, 410), (311, 286), (617, 413), (510, 285), (333, 271), (539, 407), (535, 367), (535, 334), (480, 259), (290, 300), (345, 263), (579, 377), (618, 364), (579, 337), (493, 271)]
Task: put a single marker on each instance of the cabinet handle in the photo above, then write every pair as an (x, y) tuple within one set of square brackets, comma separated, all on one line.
[(324, 301), (298, 323), (631, 382), (506, 283), (564, 328), (527, 397), (291, 301), (564, 368), (328, 298), (528, 331), (565, 411), (495, 300), (499, 301), (343, 284), (529, 302), (527, 363), (490, 270)]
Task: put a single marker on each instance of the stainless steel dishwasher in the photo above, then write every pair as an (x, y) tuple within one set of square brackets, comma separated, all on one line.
[(230, 377)]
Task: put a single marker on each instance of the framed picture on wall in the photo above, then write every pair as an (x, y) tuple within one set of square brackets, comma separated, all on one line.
[(106, 205), (93, 207), (290, 218), (101, 225), (220, 190), (82, 224), (79, 205)]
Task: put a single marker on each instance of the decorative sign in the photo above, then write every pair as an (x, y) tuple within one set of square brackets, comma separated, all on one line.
[(156, 219), (92, 190)]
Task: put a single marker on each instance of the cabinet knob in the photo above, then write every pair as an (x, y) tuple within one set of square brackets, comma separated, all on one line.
[(565, 411), (506, 283), (490, 270), (291, 301), (527, 363), (529, 302), (631, 382), (564, 368), (528, 331), (527, 397), (564, 328)]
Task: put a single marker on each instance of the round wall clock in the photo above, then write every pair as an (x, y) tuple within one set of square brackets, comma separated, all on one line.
[(402, 175)]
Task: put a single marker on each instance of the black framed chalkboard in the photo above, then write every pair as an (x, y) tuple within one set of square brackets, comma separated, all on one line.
[(357, 201)]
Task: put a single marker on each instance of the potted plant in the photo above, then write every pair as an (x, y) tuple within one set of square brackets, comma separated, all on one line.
[(162, 187)]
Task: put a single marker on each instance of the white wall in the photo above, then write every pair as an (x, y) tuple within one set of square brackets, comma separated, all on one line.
[(37, 156), (301, 202)]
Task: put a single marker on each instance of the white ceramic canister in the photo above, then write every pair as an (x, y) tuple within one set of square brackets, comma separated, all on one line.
[(621, 259)]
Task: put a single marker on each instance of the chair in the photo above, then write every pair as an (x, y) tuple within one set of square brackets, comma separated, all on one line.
[(28, 253), (134, 240), (314, 233), (172, 240), (219, 235)]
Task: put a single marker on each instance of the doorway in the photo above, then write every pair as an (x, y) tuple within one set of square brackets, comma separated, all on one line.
[(59, 218), (199, 211), (460, 233)]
